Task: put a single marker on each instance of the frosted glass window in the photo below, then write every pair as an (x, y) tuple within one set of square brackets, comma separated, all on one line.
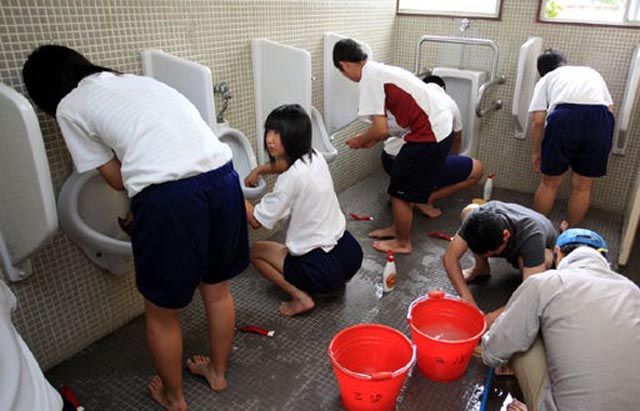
[(615, 12), (465, 8)]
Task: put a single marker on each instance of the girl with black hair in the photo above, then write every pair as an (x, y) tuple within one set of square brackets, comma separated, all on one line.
[(319, 255)]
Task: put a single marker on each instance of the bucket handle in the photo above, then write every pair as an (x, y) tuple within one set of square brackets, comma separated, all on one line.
[(433, 295), (381, 375)]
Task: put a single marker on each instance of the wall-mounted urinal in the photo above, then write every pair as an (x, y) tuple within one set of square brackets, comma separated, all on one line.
[(525, 83), (282, 75), (628, 108), (463, 86), (27, 204), (89, 209), (340, 93), (193, 80)]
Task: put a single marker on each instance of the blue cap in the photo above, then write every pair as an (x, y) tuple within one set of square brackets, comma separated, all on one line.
[(582, 236)]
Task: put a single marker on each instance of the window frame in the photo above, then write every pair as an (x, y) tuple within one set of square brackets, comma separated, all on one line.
[(498, 17), (626, 24)]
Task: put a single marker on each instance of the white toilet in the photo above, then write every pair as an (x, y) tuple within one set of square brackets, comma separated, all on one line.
[(88, 210)]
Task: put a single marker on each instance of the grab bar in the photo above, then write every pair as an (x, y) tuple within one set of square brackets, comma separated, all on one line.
[(460, 40), (495, 104)]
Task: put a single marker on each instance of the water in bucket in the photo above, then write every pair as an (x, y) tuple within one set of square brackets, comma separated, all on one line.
[(371, 362), (445, 330)]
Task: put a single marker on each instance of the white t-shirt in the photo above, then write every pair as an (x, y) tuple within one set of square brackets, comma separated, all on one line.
[(569, 85), (156, 133), (22, 384), (305, 193), (423, 108)]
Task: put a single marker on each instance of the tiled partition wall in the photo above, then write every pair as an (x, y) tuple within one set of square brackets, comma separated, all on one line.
[(607, 49), (68, 302)]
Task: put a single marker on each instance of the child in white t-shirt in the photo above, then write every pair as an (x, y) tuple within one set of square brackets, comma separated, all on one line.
[(319, 255), (189, 230)]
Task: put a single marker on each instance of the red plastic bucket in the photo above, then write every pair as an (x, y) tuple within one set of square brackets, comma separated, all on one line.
[(371, 362), (445, 330)]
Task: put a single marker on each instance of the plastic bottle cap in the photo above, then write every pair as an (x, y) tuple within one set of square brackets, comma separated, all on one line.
[(390, 257), (491, 175)]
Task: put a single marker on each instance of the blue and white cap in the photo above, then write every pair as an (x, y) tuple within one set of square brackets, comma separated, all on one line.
[(582, 236)]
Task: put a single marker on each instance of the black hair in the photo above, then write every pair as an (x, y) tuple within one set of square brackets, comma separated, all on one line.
[(435, 79), (484, 231), (568, 248), (52, 71), (347, 50), (549, 60), (293, 124)]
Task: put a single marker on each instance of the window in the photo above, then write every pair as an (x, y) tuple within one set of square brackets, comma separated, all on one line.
[(610, 12), (463, 8)]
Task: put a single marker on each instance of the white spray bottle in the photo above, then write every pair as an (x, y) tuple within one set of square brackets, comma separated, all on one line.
[(488, 187), (389, 273)]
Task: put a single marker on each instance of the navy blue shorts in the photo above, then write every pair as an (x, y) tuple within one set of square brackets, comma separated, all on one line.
[(320, 272), (186, 232), (456, 169), (577, 136)]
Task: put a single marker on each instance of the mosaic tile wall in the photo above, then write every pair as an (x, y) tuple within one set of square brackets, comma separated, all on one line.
[(607, 49), (68, 303)]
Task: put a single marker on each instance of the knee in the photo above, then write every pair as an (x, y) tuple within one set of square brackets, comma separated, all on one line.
[(581, 184), (477, 170), (552, 182), (256, 251)]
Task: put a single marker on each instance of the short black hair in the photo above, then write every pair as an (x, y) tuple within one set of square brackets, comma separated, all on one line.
[(435, 79), (549, 60), (569, 248), (52, 71), (347, 50), (483, 231), (293, 124)]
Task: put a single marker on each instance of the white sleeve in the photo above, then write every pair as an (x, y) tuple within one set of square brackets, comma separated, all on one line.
[(457, 117), (540, 100), (86, 151), (371, 97), (277, 204), (606, 94), (517, 327)]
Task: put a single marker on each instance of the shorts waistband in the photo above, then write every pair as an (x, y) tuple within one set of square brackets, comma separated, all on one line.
[(189, 182), (581, 106)]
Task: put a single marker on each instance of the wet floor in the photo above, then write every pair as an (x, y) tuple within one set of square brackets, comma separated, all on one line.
[(291, 371)]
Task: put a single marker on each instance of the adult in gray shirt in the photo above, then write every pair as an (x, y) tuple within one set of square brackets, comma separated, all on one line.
[(573, 334), (522, 236)]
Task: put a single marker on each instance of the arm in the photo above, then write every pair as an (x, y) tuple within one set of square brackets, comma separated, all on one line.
[(250, 218), (110, 171), (374, 134), (270, 168), (457, 142), (537, 132), (451, 261)]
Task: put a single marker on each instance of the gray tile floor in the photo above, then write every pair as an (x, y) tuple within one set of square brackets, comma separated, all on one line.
[(291, 371)]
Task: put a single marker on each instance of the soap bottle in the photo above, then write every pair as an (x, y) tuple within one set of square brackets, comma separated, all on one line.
[(488, 187), (389, 273)]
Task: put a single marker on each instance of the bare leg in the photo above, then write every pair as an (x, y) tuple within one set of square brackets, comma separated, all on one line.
[(164, 338), (579, 199), (221, 319), (402, 219), (268, 258), (546, 193), (480, 268), (477, 171), (516, 406)]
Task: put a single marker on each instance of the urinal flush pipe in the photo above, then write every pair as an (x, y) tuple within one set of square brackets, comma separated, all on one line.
[(222, 89)]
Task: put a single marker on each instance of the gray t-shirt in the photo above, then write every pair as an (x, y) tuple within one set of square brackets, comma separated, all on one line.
[(531, 233)]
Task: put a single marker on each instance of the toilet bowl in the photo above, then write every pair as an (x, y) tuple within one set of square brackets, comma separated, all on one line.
[(88, 211), (244, 160)]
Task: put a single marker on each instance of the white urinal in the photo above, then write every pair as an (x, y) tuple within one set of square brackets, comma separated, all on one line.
[(463, 87), (88, 209), (193, 80), (282, 75)]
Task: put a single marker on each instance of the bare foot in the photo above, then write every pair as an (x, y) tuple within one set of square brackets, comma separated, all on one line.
[(201, 366), (156, 391), (564, 225), (393, 245), (296, 306), (429, 210), (516, 406), (389, 232), (471, 274)]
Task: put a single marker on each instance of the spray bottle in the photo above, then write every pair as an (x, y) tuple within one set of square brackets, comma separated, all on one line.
[(389, 273), (488, 187)]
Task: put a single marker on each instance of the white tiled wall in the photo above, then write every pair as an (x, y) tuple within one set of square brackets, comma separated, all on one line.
[(68, 303)]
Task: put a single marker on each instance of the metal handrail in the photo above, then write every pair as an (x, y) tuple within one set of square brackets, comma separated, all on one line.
[(496, 104), (460, 40)]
